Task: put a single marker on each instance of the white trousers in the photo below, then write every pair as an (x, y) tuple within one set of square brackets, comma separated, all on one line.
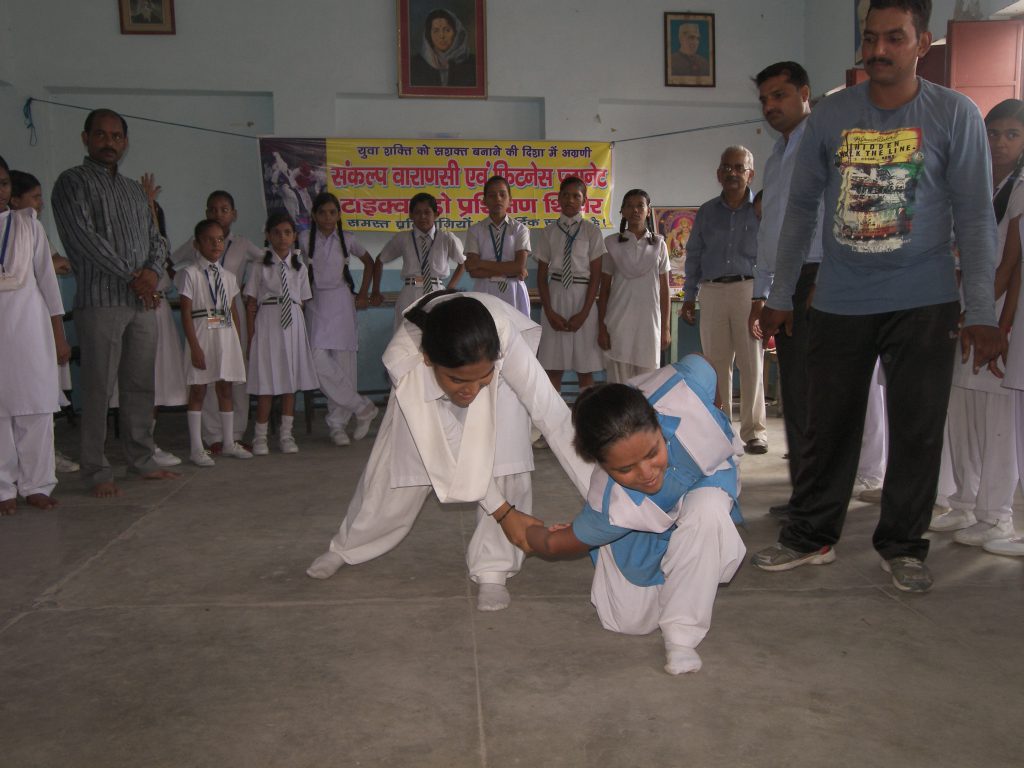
[(724, 310), (26, 455), (983, 449), (704, 551), (874, 443), (211, 413), (619, 372), (336, 370), (380, 516)]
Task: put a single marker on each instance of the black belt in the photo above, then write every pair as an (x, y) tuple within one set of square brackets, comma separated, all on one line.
[(731, 278), (209, 313), (557, 278)]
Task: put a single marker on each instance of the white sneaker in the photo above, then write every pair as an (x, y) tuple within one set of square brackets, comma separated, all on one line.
[(951, 520), (259, 446), (237, 450), (862, 484), (340, 437), (63, 464), (287, 444), (977, 534), (1009, 547), (164, 459), (363, 424), (202, 459)]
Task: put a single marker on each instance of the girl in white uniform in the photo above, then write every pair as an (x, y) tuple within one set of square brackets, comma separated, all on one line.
[(981, 434), (568, 254), (210, 322), (633, 307), (657, 519), (425, 251), (497, 249), (463, 366), (239, 254), (280, 362), (331, 318), (31, 346)]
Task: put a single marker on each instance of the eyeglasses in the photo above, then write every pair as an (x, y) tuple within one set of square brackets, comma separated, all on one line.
[(738, 168)]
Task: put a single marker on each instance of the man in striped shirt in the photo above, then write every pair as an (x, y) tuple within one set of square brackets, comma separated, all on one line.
[(105, 224)]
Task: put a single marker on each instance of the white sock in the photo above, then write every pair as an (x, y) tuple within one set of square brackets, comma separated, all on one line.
[(260, 430), (325, 566), (286, 425), (493, 597), (195, 433), (679, 659), (227, 428)]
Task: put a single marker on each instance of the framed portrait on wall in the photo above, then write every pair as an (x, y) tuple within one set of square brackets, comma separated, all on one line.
[(690, 49), (442, 49), (674, 224), (146, 17)]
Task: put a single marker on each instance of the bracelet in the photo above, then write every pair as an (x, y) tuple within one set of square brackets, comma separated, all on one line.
[(510, 508)]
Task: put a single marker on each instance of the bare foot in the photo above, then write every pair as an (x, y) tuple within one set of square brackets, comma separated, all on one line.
[(41, 501), (8, 506), (161, 474), (106, 490)]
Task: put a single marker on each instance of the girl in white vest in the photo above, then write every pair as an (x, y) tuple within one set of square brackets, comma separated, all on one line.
[(32, 343), (463, 366)]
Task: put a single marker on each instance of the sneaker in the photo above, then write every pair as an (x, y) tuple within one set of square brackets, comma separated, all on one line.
[(977, 534), (287, 444), (870, 495), (781, 558), (202, 459), (340, 437), (1008, 547), (63, 464), (164, 459), (951, 519), (363, 424), (238, 450), (862, 484), (757, 445), (259, 446), (908, 574)]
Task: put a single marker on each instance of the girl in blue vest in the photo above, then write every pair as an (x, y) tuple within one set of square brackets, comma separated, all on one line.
[(660, 512)]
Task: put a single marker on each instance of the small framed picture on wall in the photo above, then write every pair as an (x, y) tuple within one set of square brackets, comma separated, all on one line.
[(146, 17), (690, 49), (442, 49)]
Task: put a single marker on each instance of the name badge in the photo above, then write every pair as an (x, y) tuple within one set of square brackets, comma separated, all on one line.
[(214, 322)]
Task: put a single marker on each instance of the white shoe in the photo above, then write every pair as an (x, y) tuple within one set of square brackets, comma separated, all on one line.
[(202, 459), (951, 520), (63, 464), (1009, 547), (363, 424), (236, 450), (871, 495), (340, 437), (259, 446), (287, 444), (862, 484), (164, 459), (977, 534)]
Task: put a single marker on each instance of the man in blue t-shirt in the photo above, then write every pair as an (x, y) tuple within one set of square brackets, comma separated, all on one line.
[(901, 163)]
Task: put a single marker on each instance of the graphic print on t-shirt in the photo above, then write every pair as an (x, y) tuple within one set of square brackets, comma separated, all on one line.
[(880, 171)]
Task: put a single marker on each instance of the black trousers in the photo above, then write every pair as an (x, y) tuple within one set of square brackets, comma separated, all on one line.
[(792, 354), (916, 347)]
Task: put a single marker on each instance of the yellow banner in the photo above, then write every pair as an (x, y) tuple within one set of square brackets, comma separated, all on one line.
[(374, 179)]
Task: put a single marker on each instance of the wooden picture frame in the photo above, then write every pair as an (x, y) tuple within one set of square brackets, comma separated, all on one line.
[(146, 17), (461, 24), (690, 50)]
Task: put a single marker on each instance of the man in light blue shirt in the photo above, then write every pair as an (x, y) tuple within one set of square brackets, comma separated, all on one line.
[(785, 95), (720, 257)]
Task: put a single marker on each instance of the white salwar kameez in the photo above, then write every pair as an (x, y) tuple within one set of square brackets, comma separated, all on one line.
[(29, 382)]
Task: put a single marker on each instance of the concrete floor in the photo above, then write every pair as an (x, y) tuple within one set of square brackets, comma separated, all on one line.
[(175, 626)]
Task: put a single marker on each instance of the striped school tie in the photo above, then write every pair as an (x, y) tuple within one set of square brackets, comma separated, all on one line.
[(221, 302), (425, 245), (567, 253), (286, 298), (498, 243)]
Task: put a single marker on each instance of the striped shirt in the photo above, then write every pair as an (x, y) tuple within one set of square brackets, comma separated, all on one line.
[(108, 233)]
